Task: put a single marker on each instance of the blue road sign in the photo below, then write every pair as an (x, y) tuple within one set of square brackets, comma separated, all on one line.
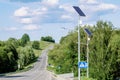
[(83, 65)]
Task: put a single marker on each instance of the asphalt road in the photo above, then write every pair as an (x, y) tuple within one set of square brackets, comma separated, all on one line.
[(38, 72)]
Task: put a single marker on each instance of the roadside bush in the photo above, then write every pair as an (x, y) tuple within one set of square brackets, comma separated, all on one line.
[(26, 56)]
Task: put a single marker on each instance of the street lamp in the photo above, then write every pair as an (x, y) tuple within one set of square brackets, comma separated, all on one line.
[(80, 13), (88, 39)]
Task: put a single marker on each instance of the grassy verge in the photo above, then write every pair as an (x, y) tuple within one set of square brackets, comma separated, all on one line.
[(84, 78), (52, 69)]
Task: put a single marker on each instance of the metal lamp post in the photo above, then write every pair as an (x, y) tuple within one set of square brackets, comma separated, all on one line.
[(80, 13), (88, 39)]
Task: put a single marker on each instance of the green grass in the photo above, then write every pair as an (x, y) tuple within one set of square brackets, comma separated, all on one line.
[(84, 78), (44, 44), (52, 69), (37, 52)]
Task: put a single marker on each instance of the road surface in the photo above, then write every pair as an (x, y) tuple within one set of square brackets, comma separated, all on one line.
[(38, 72)]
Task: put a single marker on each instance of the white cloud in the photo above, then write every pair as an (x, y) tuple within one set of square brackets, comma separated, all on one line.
[(88, 2), (39, 11), (44, 11), (23, 11), (27, 15), (28, 12), (98, 7), (94, 9), (92, 2), (105, 6), (26, 20), (67, 13), (67, 8), (31, 27), (50, 2), (53, 2)]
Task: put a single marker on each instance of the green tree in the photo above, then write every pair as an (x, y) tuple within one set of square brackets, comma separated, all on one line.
[(114, 49), (104, 52), (8, 58), (101, 58), (36, 45), (3, 60), (64, 56), (26, 56), (48, 38), (14, 42), (25, 38)]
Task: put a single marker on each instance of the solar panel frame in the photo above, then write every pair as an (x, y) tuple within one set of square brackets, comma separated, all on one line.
[(79, 11), (88, 32)]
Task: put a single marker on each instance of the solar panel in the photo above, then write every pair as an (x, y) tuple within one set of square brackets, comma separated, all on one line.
[(79, 11), (88, 32)]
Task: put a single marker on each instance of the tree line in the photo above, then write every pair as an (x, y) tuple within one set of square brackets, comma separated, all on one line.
[(104, 51), (48, 38), (16, 54)]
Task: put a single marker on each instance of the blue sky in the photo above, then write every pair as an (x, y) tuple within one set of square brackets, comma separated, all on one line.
[(47, 17)]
